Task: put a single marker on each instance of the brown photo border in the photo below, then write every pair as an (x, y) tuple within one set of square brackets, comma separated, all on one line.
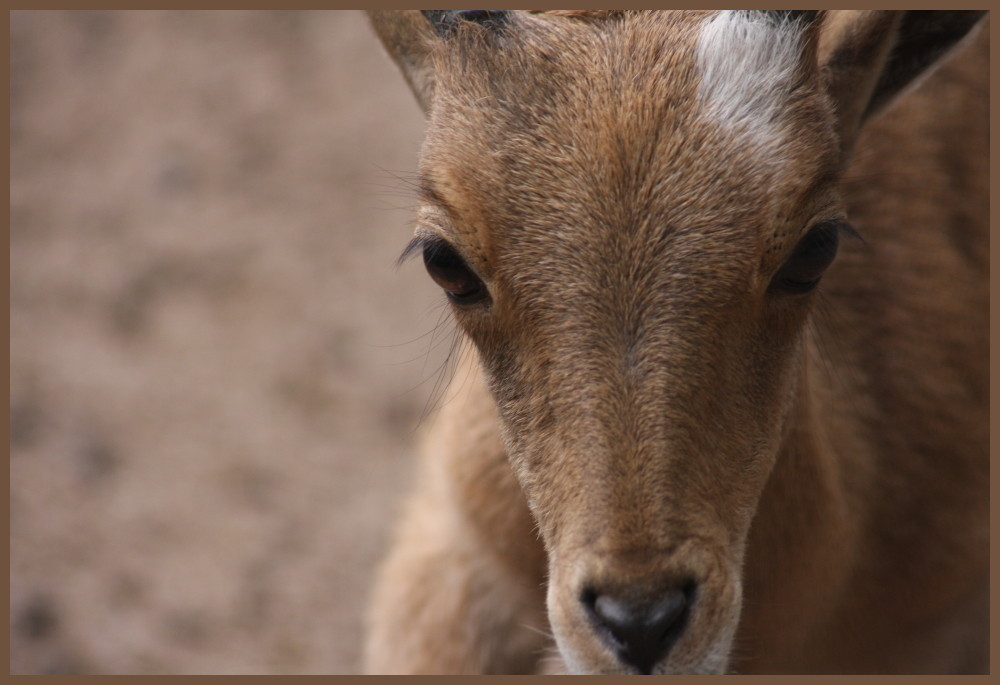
[(519, 679)]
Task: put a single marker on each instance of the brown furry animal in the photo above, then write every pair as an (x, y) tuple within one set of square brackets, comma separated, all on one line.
[(725, 274)]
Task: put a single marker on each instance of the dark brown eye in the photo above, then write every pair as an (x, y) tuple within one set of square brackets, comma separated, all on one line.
[(450, 271), (813, 255)]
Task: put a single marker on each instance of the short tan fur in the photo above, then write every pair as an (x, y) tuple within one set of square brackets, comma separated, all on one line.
[(696, 442)]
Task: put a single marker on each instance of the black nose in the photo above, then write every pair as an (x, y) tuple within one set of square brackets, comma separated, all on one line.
[(641, 632)]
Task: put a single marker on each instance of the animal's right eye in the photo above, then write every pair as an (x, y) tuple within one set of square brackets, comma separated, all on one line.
[(449, 270)]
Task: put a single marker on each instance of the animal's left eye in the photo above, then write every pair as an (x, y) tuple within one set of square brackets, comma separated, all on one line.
[(813, 255)]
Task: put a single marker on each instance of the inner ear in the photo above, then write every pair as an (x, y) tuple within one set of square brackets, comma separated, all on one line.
[(869, 57), (924, 38), (409, 38)]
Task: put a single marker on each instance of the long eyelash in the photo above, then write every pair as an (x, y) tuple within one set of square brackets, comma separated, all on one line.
[(848, 230), (412, 248)]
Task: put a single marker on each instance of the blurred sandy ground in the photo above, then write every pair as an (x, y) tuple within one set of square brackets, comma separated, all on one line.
[(215, 365)]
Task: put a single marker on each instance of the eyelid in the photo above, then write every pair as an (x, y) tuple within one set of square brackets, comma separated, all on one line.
[(823, 220), (424, 237), (840, 220), (841, 224), (429, 220)]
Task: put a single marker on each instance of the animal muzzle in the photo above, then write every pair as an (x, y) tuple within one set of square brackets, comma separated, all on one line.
[(678, 621), (640, 628)]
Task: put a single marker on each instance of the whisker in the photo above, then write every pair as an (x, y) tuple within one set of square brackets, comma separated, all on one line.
[(544, 633)]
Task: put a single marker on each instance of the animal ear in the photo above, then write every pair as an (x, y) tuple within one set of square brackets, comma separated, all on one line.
[(409, 36), (868, 57)]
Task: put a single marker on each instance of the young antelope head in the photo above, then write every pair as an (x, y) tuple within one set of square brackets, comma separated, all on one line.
[(631, 215)]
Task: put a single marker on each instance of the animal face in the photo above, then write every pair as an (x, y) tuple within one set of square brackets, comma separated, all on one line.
[(630, 232), (631, 217)]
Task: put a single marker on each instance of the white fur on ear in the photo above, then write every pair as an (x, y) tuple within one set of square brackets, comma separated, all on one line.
[(747, 62)]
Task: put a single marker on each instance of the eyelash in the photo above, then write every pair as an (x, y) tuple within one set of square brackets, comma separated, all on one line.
[(813, 255), (448, 269)]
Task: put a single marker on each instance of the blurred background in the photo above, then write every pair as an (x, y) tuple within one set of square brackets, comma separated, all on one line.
[(217, 370)]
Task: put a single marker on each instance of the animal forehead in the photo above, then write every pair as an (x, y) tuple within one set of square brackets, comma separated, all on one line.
[(662, 115), (533, 60), (622, 85), (739, 58)]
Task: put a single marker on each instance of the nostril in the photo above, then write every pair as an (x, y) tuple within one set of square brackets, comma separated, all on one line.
[(642, 631)]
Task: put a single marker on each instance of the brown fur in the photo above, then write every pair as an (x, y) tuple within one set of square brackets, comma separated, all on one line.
[(648, 410)]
